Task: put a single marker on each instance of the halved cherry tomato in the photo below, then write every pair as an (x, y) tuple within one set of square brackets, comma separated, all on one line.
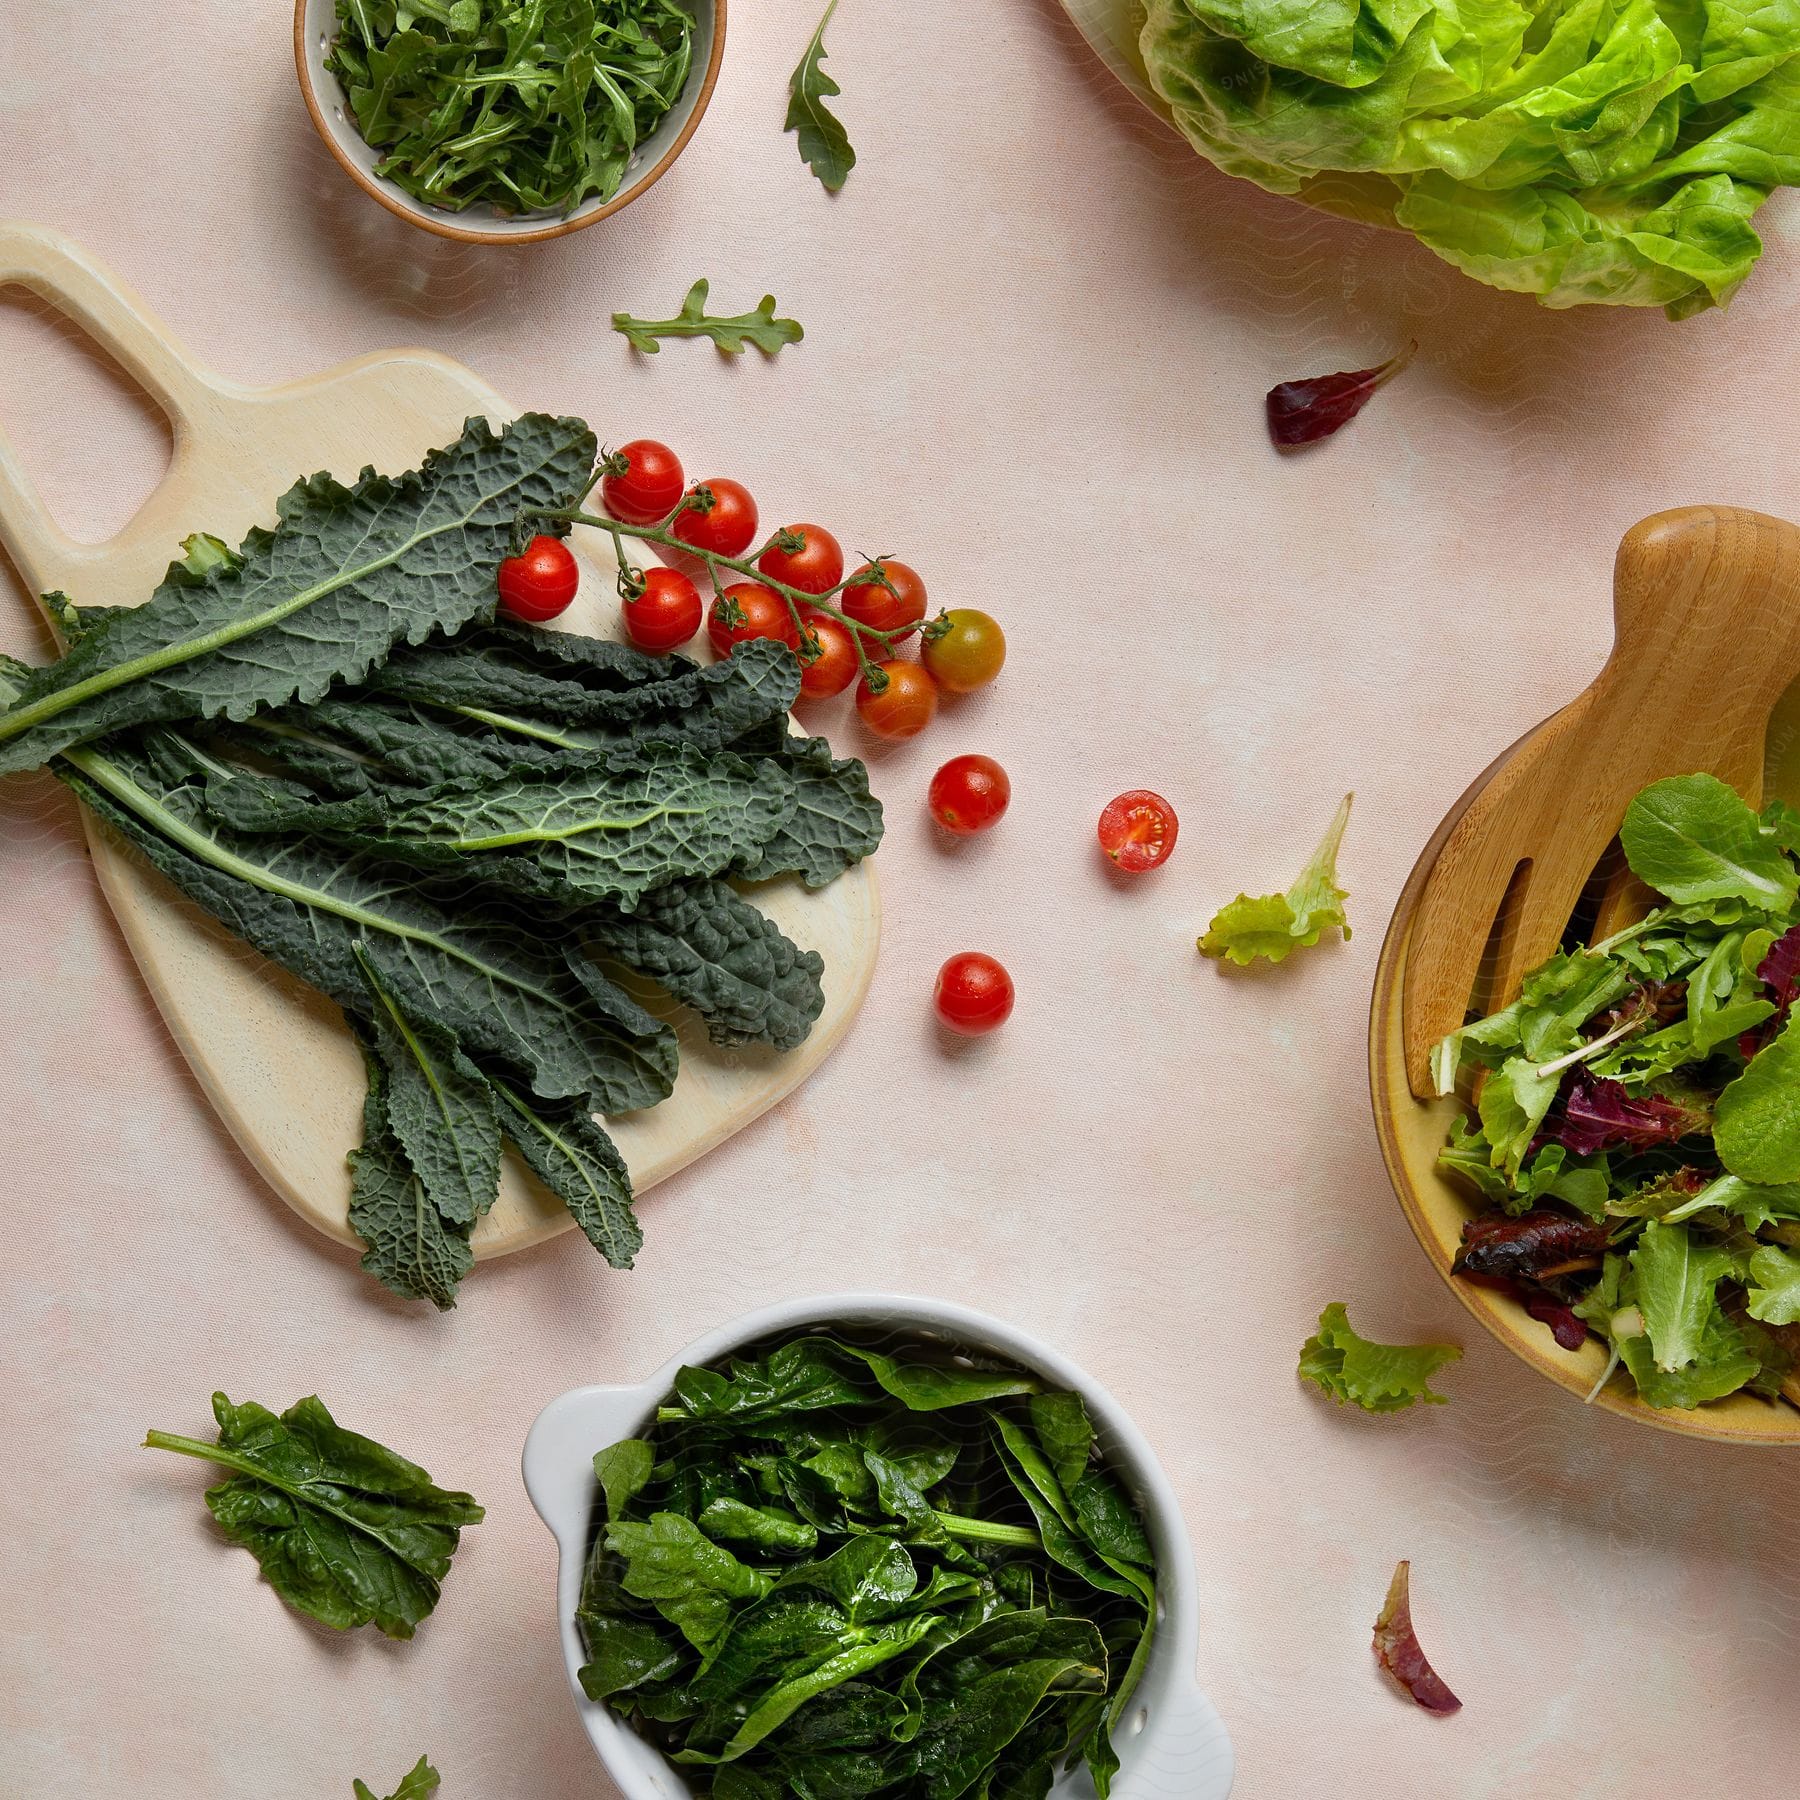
[(904, 707), (901, 603), (834, 668), (1137, 831), (967, 656), (666, 614), (748, 610), (728, 527), (540, 582), (650, 486), (974, 994), (816, 567), (968, 794)]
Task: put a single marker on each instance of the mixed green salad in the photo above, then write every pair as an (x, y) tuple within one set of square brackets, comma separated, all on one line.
[(522, 105), (832, 1570), (1637, 1140), (508, 854), (1610, 151)]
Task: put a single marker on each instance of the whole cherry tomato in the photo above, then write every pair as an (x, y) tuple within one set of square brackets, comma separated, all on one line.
[(728, 527), (816, 566), (650, 485), (666, 614), (969, 654), (540, 582), (904, 707), (974, 994), (748, 610), (834, 668), (1137, 831), (893, 607), (968, 794)]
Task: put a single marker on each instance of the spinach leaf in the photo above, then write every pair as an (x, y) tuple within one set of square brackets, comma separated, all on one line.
[(1065, 1432), (346, 573), (422, 1781), (1692, 838), (670, 1561), (730, 332), (824, 144), (623, 1471), (346, 1531)]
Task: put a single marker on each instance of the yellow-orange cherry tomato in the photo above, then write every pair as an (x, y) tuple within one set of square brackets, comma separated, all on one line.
[(967, 656)]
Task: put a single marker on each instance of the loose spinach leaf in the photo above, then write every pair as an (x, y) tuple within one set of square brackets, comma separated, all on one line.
[(731, 332), (1692, 838), (346, 573), (824, 144), (1376, 1377), (346, 1531), (422, 1781)]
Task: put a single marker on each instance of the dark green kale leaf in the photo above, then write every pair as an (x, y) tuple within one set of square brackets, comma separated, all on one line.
[(346, 1531)]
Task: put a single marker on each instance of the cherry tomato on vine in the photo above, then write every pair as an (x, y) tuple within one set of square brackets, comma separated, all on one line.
[(835, 667), (968, 794), (974, 994), (666, 614), (729, 528), (967, 656), (650, 486), (762, 613), (540, 582), (816, 567), (904, 707), (890, 608), (1137, 831)]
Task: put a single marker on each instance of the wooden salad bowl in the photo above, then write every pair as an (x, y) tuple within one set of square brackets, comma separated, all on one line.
[(274, 1056), (1706, 606)]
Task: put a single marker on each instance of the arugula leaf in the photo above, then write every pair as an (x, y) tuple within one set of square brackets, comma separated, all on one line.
[(346, 1531), (1513, 1104), (1275, 925), (1376, 1377), (422, 1781), (1756, 1127), (1724, 1362), (824, 144), (1775, 1286), (731, 332), (346, 573), (1692, 838), (1677, 1278)]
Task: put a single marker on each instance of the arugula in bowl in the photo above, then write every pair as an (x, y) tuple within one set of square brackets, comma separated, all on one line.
[(1637, 1139)]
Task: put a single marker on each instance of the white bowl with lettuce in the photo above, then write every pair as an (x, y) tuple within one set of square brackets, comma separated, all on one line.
[(1584, 156), (1170, 1744)]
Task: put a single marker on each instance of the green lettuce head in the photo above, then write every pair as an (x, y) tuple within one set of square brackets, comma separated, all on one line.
[(1585, 151)]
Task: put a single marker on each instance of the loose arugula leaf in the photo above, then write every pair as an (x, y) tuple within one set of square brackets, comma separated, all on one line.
[(824, 144), (1275, 925), (347, 573), (1692, 838), (346, 1531), (731, 332), (1376, 1377), (1756, 1129), (422, 1781)]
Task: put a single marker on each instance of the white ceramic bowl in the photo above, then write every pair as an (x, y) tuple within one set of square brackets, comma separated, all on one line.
[(315, 25), (1173, 1747)]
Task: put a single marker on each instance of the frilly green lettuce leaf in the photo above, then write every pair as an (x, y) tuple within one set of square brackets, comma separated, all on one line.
[(1273, 925), (1376, 1377)]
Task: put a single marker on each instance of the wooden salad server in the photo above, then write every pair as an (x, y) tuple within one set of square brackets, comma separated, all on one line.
[(274, 1057), (1706, 640)]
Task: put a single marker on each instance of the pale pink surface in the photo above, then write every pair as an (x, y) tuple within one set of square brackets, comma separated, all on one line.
[(1026, 290)]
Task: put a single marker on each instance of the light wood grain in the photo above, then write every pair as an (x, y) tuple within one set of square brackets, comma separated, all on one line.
[(273, 1056), (1706, 646)]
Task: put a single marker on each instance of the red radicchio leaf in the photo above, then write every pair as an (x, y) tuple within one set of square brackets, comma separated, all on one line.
[(1599, 1115), (1302, 412), (1781, 968), (1568, 1330), (1397, 1649), (1539, 1244)]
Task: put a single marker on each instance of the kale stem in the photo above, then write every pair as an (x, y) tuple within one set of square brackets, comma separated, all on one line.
[(985, 1531)]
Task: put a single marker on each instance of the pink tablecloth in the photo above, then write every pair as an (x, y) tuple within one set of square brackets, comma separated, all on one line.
[(1038, 333)]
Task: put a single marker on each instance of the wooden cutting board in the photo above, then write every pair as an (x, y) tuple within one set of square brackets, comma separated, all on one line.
[(273, 1055)]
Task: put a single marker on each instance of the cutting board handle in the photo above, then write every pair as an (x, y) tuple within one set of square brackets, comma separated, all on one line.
[(94, 299)]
